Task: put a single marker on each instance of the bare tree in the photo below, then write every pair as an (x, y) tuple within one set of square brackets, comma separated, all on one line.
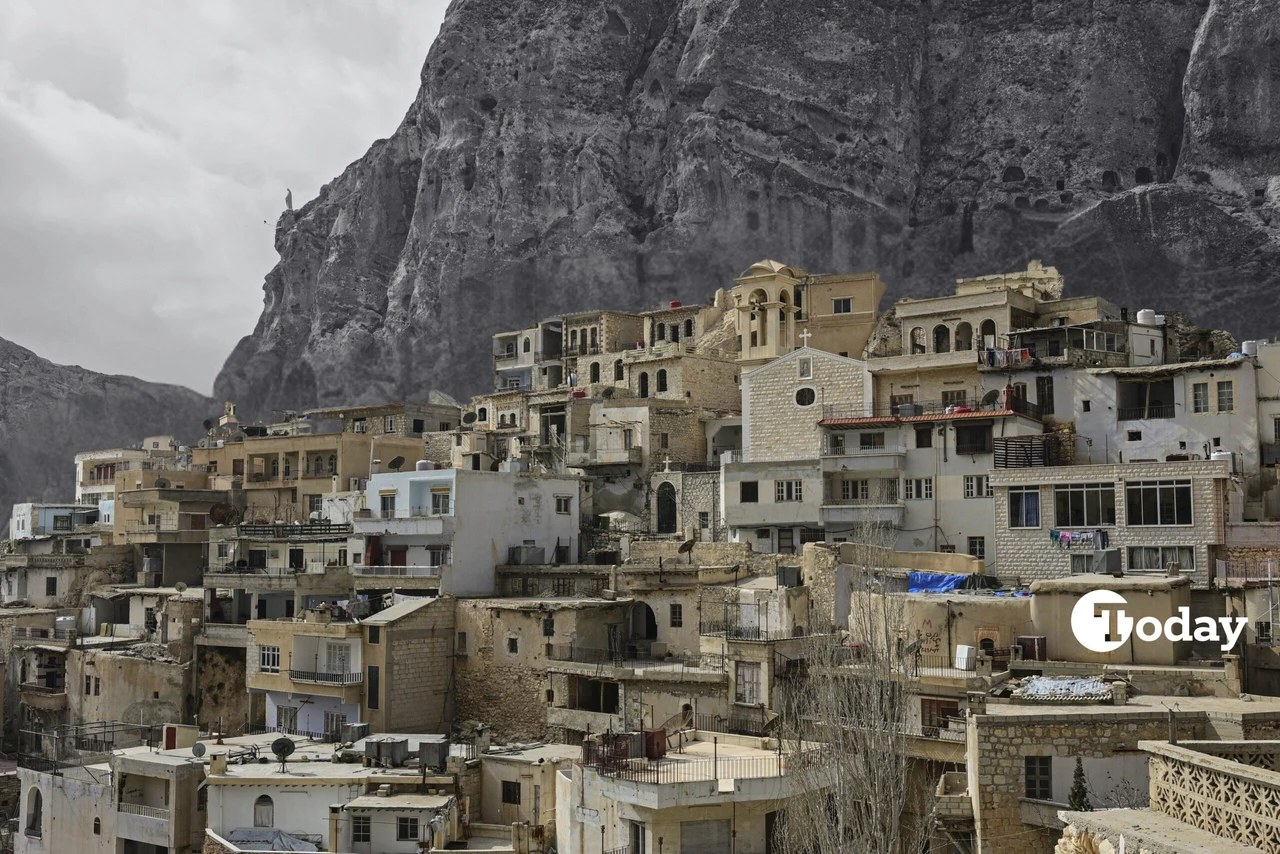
[(860, 793)]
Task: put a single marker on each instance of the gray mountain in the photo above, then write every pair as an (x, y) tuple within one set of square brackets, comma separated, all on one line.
[(576, 154), (49, 413)]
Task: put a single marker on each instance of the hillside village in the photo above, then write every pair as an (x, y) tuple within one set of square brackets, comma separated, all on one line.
[(580, 611)]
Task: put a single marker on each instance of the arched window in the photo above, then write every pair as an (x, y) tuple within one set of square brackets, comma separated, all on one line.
[(333, 464), (644, 384), (595, 372), (964, 337), (482, 414), (988, 332), (675, 332), (617, 371), (35, 813), (319, 464), (688, 328), (526, 345), (917, 341), (662, 380), (941, 339), (758, 299), (275, 467), (595, 341), (667, 515), (264, 812), (573, 340), (97, 826)]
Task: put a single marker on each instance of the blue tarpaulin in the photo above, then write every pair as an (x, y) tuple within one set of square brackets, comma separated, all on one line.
[(934, 582)]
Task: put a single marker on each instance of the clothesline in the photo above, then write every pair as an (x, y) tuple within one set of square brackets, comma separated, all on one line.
[(1007, 358)]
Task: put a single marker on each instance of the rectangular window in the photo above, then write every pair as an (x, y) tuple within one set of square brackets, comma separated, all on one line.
[(269, 659), (806, 368), (315, 504), (704, 520), (677, 616), (1044, 394), (664, 441), (361, 828), (97, 685), (406, 828), (1024, 507), (287, 719), (1081, 564), (462, 642), (511, 792), (1199, 397), (954, 398), (1226, 396), (1039, 776), (924, 437), (51, 585), (373, 691), (1160, 558), (870, 441), (842, 306), (88, 685), (919, 488), (224, 550), (788, 490), (563, 504), (387, 506), (978, 547), (972, 439), (440, 502), (237, 467), (1081, 505), (549, 627), (389, 424), (855, 490), (375, 635), (747, 689), (628, 439), (748, 492), (977, 486), (62, 523), (513, 646), (1158, 502)]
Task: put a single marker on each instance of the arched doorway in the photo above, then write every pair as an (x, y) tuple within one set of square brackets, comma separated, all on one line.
[(941, 339), (644, 623), (666, 509), (988, 332), (644, 385)]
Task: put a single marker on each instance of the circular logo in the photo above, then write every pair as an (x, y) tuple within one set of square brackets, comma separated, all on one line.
[(1099, 625)]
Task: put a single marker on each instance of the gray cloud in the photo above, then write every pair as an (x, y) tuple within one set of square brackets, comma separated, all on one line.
[(142, 146)]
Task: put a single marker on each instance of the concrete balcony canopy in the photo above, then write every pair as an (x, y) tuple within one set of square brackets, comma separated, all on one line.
[(837, 511), (604, 457)]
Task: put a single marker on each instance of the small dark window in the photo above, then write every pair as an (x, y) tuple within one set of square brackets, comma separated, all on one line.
[(924, 437), (1039, 777), (97, 826), (548, 627), (513, 645), (51, 586), (1135, 435), (375, 634), (462, 641), (372, 689), (419, 425), (688, 328), (748, 492), (511, 792), (1085, 405), (806, 397)]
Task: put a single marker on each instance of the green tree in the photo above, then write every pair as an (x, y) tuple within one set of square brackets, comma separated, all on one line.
[(1078, 797)]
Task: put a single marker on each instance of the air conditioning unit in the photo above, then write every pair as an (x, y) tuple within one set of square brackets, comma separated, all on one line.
[(355, 732), (789, 576), (433, 753), (1107, 561)]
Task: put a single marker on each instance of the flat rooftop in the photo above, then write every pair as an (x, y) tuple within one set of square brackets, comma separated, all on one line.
[(1138, 705)]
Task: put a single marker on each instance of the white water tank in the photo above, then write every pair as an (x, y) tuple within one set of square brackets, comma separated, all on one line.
[(1249, 348), (966, 657), (1159, 320), (1147, 317), (424, 465)]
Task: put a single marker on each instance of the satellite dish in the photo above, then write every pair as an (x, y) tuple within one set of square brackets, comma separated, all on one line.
[(396, 463), (686, 546), (224, 514), (163, 483), (181, 587), (208, 425), (198, 749), (282, 748), (991, 397), (469, 418)]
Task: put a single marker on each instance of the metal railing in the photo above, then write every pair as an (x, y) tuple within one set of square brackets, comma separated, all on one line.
[(159, 813), (324, 678), (973, 447), (1142, 413), (753, 725), (619, 658), (667, 771), (255, 530), (29, 633), (398, 571), (733, 630), (830, 449)]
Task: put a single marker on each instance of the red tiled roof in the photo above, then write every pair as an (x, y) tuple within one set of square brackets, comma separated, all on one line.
[(889, 421)]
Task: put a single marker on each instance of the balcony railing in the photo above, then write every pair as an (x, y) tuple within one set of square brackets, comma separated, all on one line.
[(29, 633), (399, 571), (158, 813), (41, 688), (304, 529), (753, 725), (1143, 413), (619, 658), (668, 771), (732, 630), (840, 450), (323, 678)]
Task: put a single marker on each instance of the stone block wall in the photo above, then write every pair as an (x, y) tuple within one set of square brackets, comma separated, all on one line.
[(775, 425), (1029, 554), (417, 695), (220, 691), (495, 687)]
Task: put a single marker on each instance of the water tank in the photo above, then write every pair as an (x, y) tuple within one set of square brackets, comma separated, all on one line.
[(65, 624), (1249, 348), (1159, 320), (1147, 317), (675, 303), (966, 657), (1225, 457), (387, 752), (424, 465)]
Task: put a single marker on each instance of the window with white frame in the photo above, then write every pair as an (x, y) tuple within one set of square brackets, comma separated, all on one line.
[(1080, 505), (855, 490), (1158, 502), (1199, 397), (269, 659), (978, 547), (1226, 396), (677, 616), (438, 555), (387, 505), (406, 828), (1159, 558), (871, 441), (977, 486), (1081, 564), (788, 490), (1024, 507), (919, 488), (440, 502), (747, 687), (224, 550), (361, 828), (389, 424), (563, 504)]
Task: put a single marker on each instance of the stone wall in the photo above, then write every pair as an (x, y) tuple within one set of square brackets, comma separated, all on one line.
[(416, 693), (775, 426), (1028, 554), (220, 689), (686, 438), (505, 691), (999, 744)]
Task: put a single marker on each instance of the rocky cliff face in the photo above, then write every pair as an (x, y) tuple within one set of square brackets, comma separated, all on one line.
[(574, 154), (49, 413)]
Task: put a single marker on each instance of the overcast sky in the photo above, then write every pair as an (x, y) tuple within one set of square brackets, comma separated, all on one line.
[(143, 144)]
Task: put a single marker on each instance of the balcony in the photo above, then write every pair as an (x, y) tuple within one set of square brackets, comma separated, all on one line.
[(293, 532), (842, 457), (25, 635), (143, 823), (848, 511), (954, 806), (46, 698), (604, 457), (398, 571), (1144, 413), (597, 659), (158, 813), (323, 678), (224, 634)]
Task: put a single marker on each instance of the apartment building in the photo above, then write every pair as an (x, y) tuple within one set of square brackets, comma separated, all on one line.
[(96, 470)]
